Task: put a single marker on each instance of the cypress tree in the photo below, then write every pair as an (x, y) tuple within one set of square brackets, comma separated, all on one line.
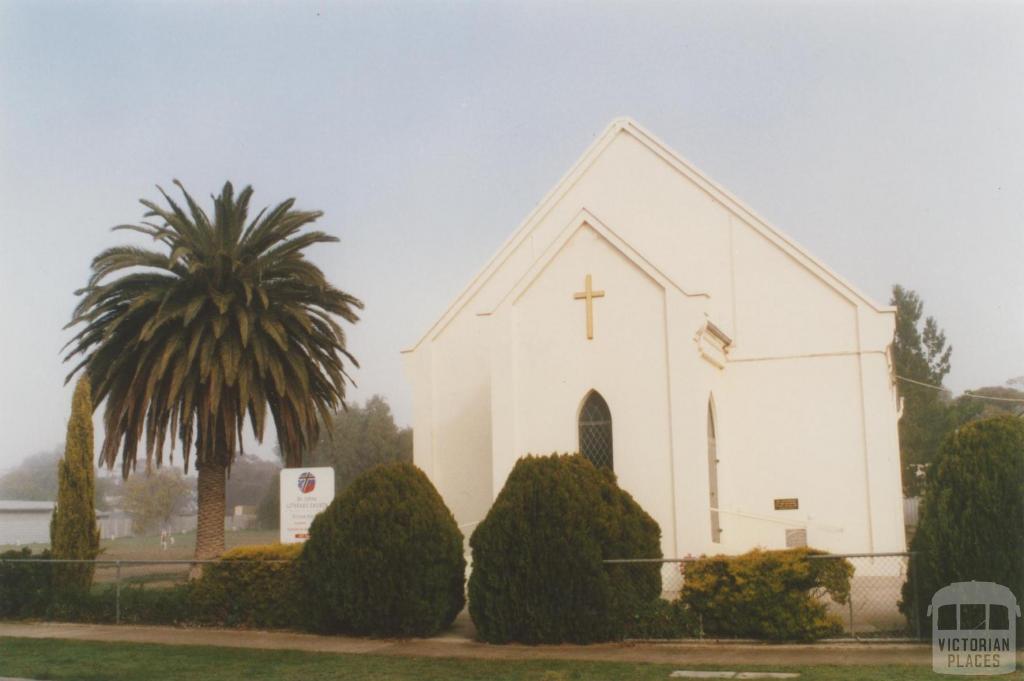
[(971, 525), (73, 529)]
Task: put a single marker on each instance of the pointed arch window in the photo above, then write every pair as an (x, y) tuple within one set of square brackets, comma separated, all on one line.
[(716, 527), (595, 428)]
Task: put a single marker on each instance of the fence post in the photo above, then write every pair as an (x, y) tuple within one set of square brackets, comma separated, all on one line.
[(912, 568), (853, 632), (117, 594)]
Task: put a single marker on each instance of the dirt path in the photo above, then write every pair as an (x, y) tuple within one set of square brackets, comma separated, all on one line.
[(454, 645)]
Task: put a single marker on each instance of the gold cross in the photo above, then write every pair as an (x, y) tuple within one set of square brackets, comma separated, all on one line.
[(589, 294)]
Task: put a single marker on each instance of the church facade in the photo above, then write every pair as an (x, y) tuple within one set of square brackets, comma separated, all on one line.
[(741, 391)]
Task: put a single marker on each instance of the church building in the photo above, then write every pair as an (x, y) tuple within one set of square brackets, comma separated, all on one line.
[(741, 391)]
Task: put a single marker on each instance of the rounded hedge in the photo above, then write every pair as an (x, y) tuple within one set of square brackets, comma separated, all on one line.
[(538, 573), (971, 524), (385, 558)]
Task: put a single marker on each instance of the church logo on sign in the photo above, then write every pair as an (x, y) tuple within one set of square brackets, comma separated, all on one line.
[(307, 482)]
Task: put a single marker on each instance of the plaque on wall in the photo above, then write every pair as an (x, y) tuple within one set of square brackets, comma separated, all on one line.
[(787, 504)]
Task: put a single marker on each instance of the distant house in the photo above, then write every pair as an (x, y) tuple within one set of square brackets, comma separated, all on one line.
[(114, 524), (25, 522), (28, 522)]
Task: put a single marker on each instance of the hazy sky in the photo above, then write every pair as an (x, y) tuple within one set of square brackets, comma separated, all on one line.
[(884, 138)]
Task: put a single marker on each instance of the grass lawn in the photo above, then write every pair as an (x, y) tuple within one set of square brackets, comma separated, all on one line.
[(148, 548), (89, 661)]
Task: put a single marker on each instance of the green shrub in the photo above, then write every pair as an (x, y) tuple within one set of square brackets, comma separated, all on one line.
[(386, 558), (661, 619), (538, 575), (143, 604), (140, 604), (248, 588), (971, 524), (25, 588), (772, 595)]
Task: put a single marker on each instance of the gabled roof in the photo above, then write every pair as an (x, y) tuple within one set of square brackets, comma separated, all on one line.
[(716, 192), (582, 220)]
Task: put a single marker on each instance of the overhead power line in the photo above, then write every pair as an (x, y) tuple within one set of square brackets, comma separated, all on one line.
[(967, 393)]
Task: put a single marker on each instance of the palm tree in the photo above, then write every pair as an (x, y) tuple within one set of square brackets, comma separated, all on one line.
[(225, 322)]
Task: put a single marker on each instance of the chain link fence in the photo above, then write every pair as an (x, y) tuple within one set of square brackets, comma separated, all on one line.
[(871, 612), (130, 590), (122, 590), (876, 590)]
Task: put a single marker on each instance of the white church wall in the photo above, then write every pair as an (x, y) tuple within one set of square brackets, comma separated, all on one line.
[(800, 413), (794, 431), (694, 381), (417, 370), (457, 418), (557, 366), (782, 309), (883, 457)]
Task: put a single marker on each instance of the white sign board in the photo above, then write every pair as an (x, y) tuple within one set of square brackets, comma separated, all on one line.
[(304, 493)]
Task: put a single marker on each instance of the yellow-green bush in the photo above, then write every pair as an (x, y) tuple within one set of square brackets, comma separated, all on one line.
[(772, 595), (250, 587)]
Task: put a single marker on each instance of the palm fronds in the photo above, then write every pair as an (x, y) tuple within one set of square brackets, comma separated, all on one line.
[(224, 322)]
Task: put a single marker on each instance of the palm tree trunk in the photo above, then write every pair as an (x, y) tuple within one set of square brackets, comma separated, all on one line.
[(210, 520)]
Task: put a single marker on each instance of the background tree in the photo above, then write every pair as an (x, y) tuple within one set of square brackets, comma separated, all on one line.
[(153, 498), (268, 513), (35, 479), (988, 402), (226, 322), (920, 354), (249, 480), (360, 438), (972, 518), (73, 530)]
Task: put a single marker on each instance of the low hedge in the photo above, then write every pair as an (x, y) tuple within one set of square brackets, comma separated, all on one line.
[(538, 556), (25, 588), (660, 619), (769, 595), (385, 558), (233, 592), (250, 587), (140, 604)]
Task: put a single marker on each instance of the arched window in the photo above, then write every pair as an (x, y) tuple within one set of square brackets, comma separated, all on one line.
[(716, 527), (595, 423)]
